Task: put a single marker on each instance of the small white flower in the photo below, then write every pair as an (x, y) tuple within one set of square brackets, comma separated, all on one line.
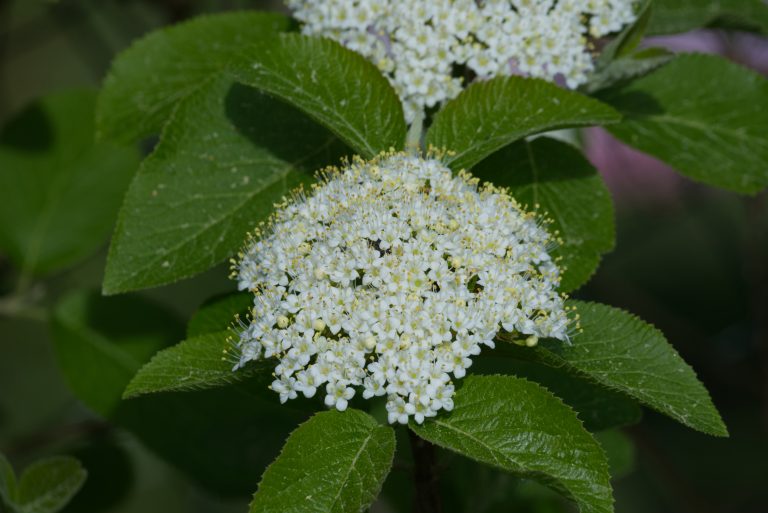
[(286, 387), (397, 410), (453, 264), (419, 44), (338, 395)]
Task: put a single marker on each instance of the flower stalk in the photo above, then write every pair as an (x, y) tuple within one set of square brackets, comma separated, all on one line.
[(425, 476)]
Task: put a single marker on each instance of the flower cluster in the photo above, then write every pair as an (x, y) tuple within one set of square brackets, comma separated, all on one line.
[(427, 47), (390, 276)]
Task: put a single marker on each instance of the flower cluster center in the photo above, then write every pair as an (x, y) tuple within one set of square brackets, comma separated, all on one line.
[(389, 278)]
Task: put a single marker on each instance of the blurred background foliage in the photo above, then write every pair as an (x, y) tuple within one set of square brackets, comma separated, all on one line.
[(689, 259)]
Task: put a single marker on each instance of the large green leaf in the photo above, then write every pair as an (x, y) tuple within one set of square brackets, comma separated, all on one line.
[(47, 485), (692, 114), (488, 115), (218, 313), (223, 437), (228, 154), (149, 78), (519, 426), (59, 192), (673, 16), (556, 180), (621, 352), (337, 87), (204, 361), (335, 462), (101, 343)]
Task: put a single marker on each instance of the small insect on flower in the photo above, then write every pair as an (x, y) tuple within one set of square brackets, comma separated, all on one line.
[(420, 270), (421, 45)]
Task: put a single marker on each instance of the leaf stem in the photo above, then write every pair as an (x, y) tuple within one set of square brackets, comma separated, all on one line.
[(425, 476)]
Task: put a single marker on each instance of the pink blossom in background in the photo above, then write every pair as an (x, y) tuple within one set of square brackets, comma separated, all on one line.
[(631, 174), (705, 41)]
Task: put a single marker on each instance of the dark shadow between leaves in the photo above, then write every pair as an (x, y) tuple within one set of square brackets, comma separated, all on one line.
[(598, 407), (526, 163), (115, 318), (631, 103), (221, 437), (111, 474), (288, 133), (30, 130)]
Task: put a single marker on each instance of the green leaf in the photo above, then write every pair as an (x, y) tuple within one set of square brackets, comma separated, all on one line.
[(47, 486), (218, 313), (491, 114), (148, 79), (554, 178), (336, 86), (334, 462), (674, 16), (201, 362), (59, 192), (621, 352), (7, 481), (691, 114), (520, 427), (228, 154), (101, 343), (223, 438)]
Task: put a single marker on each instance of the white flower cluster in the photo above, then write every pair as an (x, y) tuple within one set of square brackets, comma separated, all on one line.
[(425, 46), (390, 277)]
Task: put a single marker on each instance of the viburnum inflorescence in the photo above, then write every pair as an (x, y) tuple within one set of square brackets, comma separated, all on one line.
[(389, 277), (425, 47)]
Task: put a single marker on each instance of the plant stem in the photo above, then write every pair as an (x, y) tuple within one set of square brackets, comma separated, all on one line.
[(16, 307), (425, 476), (413, 139)]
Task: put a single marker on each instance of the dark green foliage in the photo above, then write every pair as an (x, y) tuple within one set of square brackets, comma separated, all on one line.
[(59, 191)]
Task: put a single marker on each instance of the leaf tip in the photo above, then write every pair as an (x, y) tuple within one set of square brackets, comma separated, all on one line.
[(720, 429), (132, 390)]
